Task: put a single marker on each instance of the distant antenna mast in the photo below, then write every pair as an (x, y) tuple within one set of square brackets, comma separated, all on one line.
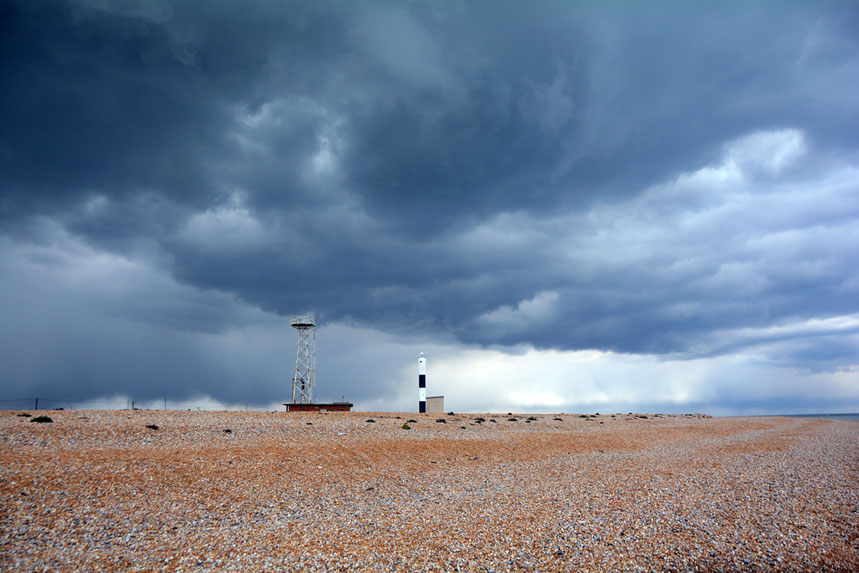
[(305, 359)]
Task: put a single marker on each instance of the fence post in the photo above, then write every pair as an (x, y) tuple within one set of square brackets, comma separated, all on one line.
[(37, 403)]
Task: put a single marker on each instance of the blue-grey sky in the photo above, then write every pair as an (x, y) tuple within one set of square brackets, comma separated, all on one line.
[(569, 206)]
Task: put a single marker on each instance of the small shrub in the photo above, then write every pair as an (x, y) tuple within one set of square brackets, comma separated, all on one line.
[(370, 421), (406, 426), (152, 426), (309, 423), (441, 421), (42, 419), (558, 419), (583, 416), (24, 415), (462, 427), (493, 421), (531, 419), (512, 420), (228, 431), (412, 422), (450, 413)]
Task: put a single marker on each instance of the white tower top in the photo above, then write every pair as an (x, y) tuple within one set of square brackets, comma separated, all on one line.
[(303, 320)]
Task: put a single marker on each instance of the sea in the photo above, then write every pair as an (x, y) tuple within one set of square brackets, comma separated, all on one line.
[(853, 416)]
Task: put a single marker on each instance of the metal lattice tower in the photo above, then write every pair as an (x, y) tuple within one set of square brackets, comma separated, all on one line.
[(305, 359)]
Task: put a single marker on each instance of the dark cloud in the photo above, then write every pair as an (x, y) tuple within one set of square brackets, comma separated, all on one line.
[(665, 179)]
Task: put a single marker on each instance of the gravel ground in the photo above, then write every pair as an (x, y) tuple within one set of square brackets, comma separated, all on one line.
[(99, 490)]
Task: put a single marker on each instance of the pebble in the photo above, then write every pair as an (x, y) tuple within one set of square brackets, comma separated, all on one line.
[(97, 490)]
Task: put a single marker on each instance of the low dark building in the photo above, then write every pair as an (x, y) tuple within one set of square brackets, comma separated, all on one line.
[(318, 406)]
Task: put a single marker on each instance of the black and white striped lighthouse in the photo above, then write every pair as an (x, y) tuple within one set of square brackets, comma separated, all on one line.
[(422, 384)]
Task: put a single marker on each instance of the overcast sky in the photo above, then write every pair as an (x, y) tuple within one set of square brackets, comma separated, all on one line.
[(570, 207)]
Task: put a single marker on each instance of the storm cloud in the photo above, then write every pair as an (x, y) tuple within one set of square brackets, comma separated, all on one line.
[(661, 184)]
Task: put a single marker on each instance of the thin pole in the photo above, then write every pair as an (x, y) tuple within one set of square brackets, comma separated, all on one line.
[(37, 403)]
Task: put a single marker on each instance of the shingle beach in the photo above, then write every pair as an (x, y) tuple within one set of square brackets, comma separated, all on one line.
[(99, 491)]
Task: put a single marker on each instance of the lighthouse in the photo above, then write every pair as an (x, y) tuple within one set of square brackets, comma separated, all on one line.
[(422, 384)]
